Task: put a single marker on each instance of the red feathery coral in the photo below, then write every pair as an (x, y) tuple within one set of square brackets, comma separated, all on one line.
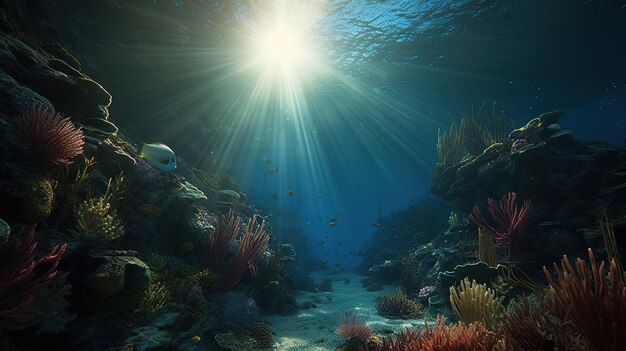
[(595, 303), (351, 326), (24, 280), (251, 245), (52, 136), (508, 220), (457, 337)]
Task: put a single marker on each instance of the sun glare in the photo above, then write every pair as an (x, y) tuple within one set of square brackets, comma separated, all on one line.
[(283, 45)]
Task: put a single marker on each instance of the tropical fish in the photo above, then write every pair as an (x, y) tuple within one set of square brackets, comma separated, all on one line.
[(337, 264), (272, 170), (376, 225), (308, 223), (158, 155), (196, 339), (332, 224), (319, 195), (324, 262), (266, 159), (291, 192)]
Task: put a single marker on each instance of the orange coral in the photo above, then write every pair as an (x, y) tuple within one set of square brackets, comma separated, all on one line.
[(595, 303), (460, 336)]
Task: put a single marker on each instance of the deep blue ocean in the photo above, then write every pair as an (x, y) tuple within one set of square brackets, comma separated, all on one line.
[(412, 67)]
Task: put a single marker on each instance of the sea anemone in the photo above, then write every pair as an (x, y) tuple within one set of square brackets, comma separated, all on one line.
[(351, 326), (397, 306)]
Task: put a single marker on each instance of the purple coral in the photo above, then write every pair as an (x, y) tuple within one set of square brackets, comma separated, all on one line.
[(52, 136)]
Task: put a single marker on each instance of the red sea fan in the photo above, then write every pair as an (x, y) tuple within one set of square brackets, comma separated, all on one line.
[(351, 326), (25, 280), (50, 135)]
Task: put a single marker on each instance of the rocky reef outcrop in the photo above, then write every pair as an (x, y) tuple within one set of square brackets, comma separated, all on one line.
[(568, 182)]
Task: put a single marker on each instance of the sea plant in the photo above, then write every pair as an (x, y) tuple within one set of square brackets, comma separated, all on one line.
[(397, 306), (486, 249), (530, 323), (26, 280), (508, 221), (155, 298), (71, 189), (266, 269), (410, 275), (50, 135), (97, 221), (594, 302), (457, 337), (474, 302), (351, 326), (252, 243)]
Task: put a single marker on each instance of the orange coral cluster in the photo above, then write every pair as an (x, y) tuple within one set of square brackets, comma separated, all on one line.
[(460, 336)]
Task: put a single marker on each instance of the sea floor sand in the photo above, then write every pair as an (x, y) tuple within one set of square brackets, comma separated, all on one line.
[(314, 329)]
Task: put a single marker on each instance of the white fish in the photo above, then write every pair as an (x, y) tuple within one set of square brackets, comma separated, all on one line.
[(158, 155)]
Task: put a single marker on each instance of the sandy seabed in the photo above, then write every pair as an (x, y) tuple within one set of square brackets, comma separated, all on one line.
[(314, 328)]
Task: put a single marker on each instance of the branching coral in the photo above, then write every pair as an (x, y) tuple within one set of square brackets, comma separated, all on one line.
[(530, 324), (98, 221), (350, 326), (458, 337), (475, 302), (52, 136), (24, 280), (397, 306), (595, 303), (252, 243), (507, 222), (156, 297)]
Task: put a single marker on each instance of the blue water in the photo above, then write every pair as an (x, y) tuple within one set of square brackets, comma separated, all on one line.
[(415, 63), (377, 145)]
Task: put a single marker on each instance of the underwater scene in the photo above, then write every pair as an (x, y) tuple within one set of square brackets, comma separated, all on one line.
[(352, 175)]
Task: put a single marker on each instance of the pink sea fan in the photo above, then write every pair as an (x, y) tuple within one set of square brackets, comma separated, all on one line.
[(351, 326), (52, 136)]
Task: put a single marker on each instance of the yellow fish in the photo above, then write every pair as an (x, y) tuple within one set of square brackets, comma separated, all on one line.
[(266, 160), (272, 170), (196, 339), (291, 192)]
